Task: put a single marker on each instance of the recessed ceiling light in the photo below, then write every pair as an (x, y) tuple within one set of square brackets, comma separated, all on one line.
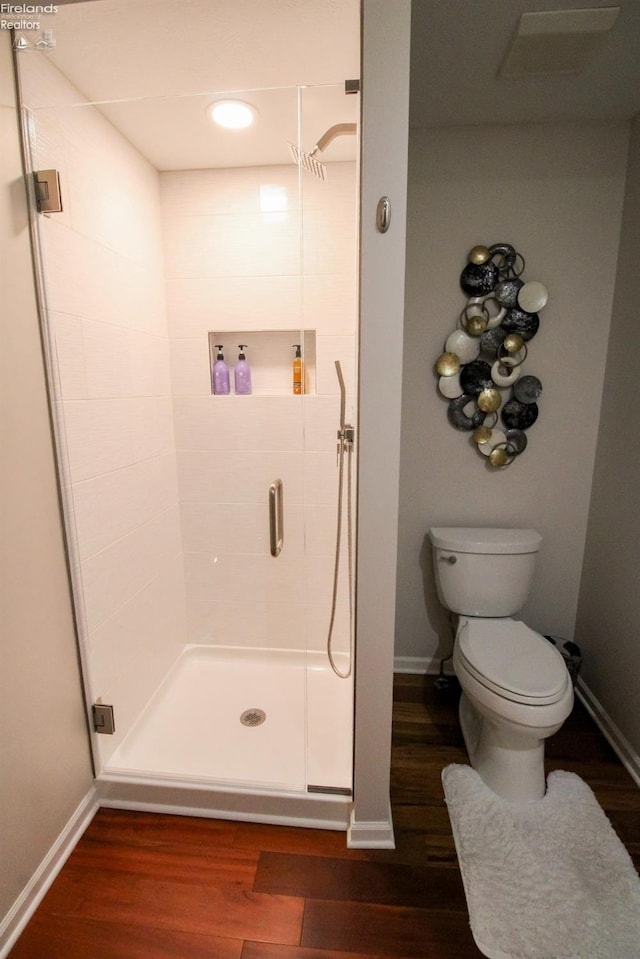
[(232, 114)]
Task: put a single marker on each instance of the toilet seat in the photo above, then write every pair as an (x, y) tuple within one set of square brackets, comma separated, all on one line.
[(512, 660)]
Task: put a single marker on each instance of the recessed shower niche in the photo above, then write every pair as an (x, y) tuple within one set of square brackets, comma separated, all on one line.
[(186, 619), (270, 355)]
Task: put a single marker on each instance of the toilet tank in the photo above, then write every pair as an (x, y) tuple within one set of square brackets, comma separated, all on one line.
[(484, 572)]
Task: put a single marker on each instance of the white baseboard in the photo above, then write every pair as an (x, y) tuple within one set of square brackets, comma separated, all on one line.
[(371, 835), (31, 896), (618, 742), (421, 665)]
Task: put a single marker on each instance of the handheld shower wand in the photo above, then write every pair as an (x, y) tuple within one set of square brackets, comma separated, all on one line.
[(343, 394), (345, 444), (346, 433)]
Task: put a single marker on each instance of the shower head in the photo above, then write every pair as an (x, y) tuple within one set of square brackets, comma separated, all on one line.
[(307, 162)]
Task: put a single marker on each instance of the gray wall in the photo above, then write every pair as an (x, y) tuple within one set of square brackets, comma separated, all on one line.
[(608, 624), (555, 192), (44, 753)]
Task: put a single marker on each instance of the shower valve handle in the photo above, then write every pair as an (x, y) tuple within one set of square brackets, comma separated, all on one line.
[(345, 440)]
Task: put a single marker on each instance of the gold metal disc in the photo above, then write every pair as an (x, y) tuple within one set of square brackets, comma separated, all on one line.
[(481, 435), (448, 364), (489, 400), (476, 325), (479, 254), (513, 342), (498, 457)]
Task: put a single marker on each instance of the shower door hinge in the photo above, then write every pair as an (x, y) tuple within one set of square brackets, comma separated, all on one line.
[(48, 195), (103, 719)]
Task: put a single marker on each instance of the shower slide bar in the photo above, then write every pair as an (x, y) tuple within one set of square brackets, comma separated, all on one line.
[(276, 525)]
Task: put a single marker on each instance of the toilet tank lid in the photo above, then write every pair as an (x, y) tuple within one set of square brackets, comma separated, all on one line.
[(463, 539)]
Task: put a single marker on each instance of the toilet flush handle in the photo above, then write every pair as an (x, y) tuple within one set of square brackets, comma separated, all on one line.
[(449, 559)]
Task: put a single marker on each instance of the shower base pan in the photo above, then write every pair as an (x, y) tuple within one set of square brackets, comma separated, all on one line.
[(252, 734)]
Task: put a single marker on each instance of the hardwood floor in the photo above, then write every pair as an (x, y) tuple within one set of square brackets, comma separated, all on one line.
[(146, 886)]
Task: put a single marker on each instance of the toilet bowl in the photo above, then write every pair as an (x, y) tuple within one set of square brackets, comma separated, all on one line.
[(516, 690)]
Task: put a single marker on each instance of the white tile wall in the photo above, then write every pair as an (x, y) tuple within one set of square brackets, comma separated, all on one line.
[(316, 627), (190, 367), (113, 504), (231, 268), (106, 360), (225, 423), (329, 349), (239, 528), (321, 421), (70, 370), (98, 436), (197, 305), (240, 476), (135, 647), (321, 477), (243, 578), (114, 575), (106, 308), (330, 303)]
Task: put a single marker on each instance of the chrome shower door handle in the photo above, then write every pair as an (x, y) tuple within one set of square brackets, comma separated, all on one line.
[(276, 526)]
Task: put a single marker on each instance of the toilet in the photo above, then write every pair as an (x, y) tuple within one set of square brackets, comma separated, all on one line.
[(516, 689)]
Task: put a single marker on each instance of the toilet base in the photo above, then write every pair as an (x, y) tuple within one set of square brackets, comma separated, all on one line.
[(509, 763)]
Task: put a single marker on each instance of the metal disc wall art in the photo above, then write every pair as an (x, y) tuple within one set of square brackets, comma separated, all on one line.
[(481, 369)]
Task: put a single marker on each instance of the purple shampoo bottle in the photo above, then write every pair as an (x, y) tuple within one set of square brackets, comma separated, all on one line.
[(220, 374), (242, 374)]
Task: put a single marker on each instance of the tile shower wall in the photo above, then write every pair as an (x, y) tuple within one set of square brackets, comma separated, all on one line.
[(105, 304), (234, 261)]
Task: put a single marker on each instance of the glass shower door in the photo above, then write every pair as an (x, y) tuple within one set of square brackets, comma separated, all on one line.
[(329, 190), (211, 650)]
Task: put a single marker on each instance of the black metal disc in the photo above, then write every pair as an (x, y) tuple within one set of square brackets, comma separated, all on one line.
[(517, 321), (505, 249), (519, 416), (506, 292), (491, 340), (475, 377), (479, 278), (462, 420), (516, 440), (527, 389)]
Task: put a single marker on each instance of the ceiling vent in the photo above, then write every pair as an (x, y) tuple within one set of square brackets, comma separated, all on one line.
[(556, 42)]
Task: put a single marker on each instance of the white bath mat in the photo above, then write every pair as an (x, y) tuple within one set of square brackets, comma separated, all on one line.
[(543, 880)]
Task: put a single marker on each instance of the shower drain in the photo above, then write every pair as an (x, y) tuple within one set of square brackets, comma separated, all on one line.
[(253, 717)]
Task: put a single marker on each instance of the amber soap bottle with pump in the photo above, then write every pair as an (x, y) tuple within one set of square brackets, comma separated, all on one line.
[(298, 371)]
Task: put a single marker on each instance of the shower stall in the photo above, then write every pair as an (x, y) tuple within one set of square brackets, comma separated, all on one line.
[(218, 669)]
